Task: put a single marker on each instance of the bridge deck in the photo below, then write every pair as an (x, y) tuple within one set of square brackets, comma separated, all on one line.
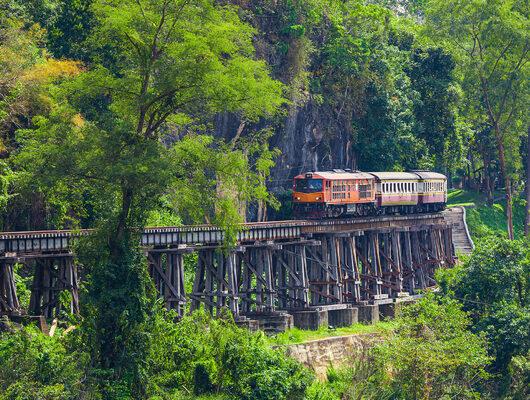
[(13, 244)]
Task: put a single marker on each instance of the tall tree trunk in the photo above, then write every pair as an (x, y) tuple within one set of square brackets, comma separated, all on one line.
[(116, 240), (488, 183), (507, 182), (527, 218)]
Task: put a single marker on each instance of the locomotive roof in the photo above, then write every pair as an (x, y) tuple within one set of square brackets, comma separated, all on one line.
[(404, 176), (338, 174), (341, 174), (429, 175)]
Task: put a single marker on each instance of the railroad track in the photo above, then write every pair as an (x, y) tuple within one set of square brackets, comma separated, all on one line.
[(61, 240)]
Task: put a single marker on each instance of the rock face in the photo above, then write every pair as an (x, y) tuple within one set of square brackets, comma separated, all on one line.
[(319, 355), (307, 142)]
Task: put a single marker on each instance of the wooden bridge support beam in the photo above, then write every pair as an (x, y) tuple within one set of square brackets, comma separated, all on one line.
[(51, 277), (167, 271), (369, 253), (325, 274), (9, 303), (216, 282), (257, 286), (349, 267), (391, 263), (292, 279)]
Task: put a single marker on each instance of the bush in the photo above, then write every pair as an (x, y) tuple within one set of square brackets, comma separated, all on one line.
[(494, 284), (202, 355), (519, 373), (432, 355), (36, 366)]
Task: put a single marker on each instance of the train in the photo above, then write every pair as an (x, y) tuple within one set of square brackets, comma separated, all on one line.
[(345, 193)]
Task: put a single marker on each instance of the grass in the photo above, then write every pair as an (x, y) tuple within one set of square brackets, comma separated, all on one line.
[(484, 220), (295, 335)]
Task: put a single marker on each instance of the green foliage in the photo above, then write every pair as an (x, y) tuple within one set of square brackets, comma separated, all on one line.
[(104, 153), (212, 358), (432, 354), (431, 74), (487, 220), (490, 40), (182, 58), (6, 178), (215, 181), (337, 384), (33, 365), (117, 308), (519, 373), (70, 30), (494, 284), (215, 356), (23, 286)]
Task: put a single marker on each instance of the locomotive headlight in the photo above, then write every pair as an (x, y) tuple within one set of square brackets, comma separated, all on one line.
[(318, 198), (297, 198)]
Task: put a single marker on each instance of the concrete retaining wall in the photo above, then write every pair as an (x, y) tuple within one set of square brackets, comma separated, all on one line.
[(319, 355)]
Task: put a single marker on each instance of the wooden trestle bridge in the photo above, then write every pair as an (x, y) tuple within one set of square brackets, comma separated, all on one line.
[(277, 270)]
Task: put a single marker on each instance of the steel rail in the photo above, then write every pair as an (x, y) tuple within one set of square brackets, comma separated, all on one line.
[(206, 228)]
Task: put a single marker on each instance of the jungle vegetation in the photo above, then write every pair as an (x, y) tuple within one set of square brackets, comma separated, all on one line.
[(109, 116)]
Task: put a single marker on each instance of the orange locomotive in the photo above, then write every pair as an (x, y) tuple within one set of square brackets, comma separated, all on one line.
[(336, 193)]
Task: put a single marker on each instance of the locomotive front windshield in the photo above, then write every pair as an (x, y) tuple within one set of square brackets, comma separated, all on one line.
[(308, 185)]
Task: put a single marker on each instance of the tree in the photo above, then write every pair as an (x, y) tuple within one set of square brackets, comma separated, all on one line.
[(490, 39), (527, 187), (431, 355), (431, 74), (70, 30), (494, 285), (106, 147)]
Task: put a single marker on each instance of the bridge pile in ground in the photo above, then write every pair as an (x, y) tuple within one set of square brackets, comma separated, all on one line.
[(311, 273)]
